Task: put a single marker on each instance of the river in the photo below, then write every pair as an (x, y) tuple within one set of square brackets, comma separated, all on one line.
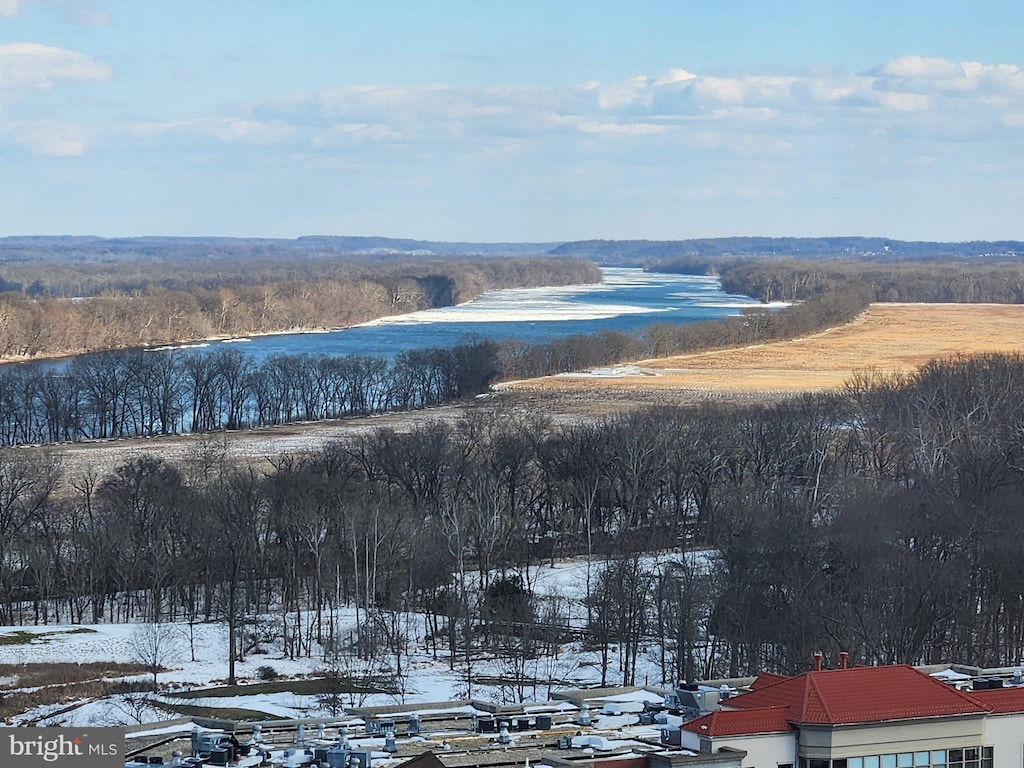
[(627, 300)]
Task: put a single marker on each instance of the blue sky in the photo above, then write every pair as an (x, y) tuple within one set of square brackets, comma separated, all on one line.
[(519, 121)]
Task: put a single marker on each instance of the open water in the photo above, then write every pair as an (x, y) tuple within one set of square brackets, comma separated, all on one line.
[(627, 300)]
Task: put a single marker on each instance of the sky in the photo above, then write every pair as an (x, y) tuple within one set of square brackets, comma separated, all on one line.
[(538, 120)]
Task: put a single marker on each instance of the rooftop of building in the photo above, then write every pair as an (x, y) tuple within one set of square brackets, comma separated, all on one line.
[(593, 726)]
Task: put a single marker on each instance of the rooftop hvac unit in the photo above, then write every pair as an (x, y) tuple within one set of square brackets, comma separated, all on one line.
[(296, 758), (203, 744), (414, 724), (336, 757), (376, 727), (694, 700), (672, 737)]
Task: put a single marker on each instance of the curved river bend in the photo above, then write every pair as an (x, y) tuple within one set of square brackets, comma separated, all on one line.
[(628, 299)]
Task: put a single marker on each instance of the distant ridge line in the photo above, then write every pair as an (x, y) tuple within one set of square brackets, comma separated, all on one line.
[(605, 251)]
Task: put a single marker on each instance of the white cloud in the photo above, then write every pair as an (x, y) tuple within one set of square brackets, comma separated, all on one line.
[(47, 137), (622, 129), (766, 114), (228, 130), (674, 76), (8, 8), (730, 90), (903, 102), (918, 67), (619, 95), (25, 66)]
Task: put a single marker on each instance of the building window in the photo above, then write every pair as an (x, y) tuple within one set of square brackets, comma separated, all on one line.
[(964, 757)]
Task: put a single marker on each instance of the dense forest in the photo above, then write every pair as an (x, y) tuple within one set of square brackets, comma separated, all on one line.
[(882, 520), (84, 308), (142, 393)]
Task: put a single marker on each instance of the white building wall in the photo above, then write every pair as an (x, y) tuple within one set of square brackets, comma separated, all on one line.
[(1005, 734), (764, 750), (842, 741)]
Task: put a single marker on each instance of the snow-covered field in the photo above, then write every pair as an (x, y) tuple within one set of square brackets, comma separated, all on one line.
[(426, 679)]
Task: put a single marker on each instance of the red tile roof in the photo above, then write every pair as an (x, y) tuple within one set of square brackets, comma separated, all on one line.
[(766, 678), (860, 695), (1001, 701), (741, 722)]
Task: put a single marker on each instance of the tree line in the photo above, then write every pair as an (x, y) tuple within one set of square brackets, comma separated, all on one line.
[(955, 281), (880, 520), (143, 393), (72, 309), (140, 393)]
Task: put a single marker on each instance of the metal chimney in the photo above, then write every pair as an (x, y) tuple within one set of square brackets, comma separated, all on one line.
[(503, 737), (843, 657), (817, 661)]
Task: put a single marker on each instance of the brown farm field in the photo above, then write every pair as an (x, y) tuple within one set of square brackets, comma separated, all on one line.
[(886, 337)]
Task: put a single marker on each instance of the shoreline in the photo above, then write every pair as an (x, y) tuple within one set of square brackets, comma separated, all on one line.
[(242, 338), (177, 344)]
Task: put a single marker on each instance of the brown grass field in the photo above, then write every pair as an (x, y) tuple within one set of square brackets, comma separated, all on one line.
[(887, 337)]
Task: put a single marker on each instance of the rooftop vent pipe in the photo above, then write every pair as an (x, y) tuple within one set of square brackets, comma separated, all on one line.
[(584, 715), (503, 737)]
